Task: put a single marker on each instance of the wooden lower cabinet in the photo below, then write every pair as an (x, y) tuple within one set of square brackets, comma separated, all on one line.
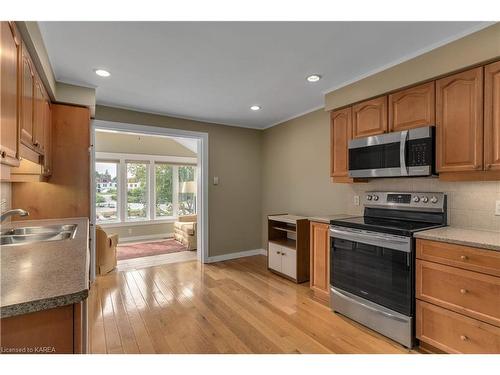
[(458, 308), (320, 260), (53, 331), (455, 333)]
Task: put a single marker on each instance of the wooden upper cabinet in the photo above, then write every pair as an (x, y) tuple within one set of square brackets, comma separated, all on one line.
[(47, 157), (369, 117), (9, 55), (39, 116), (320, 259), (412, 108), (340, 134), (27, 99), (459, 121), (492, 116)]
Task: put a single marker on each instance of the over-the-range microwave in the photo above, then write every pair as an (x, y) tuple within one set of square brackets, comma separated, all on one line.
[(398, 154)]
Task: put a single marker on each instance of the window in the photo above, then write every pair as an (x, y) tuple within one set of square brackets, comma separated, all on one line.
[(187, 191), (137, 191), (106, 198), (164, 190), (147, 189)]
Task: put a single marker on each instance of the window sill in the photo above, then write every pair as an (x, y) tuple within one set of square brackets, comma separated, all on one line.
[(138, 222)]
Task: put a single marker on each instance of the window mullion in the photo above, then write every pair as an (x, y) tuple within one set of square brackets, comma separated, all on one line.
[(152, 190), (123, 190), (175, 190)]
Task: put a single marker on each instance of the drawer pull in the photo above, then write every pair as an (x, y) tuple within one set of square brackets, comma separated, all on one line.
[(463, 291), (464, 338), (464, 257)]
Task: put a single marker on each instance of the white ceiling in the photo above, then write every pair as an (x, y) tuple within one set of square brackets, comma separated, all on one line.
[(214, 71)]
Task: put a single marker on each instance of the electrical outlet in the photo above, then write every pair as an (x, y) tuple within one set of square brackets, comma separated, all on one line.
[(497, 208), (216, 180), (356, 200)]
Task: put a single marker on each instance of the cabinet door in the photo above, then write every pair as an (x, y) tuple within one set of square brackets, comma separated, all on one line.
[(289, 262), (9, 54), (492, 116), (340, 134), (27, 78), (39, 116), (369, 118), (274, 257), (320, 273), (459, 121), (412, 108), (47, 157)]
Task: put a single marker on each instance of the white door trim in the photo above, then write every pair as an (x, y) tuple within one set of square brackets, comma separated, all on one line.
[(202, 164)]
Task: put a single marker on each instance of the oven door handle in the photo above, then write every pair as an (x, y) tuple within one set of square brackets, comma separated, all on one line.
[(402, 153), (389, 242), (366, 306)]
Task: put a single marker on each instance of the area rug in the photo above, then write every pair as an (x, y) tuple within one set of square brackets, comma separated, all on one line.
[(146, 249)]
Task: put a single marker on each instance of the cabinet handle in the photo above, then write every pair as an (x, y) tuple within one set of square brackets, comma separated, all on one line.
[(3, 153), (464, 257), (463, 291), (36, 144), (464, 338)]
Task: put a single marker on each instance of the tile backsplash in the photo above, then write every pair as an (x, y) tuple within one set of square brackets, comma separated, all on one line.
[(470, 204), (5, 196)]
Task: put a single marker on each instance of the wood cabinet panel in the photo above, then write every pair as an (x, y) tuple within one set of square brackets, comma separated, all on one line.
[(459, 121), (274, 254), (470, 293), (289, 262), (340, 134), (10, 45), (492, 116), (455, 333), (466, 257), (44, 332), (27, 99), (38, 116), (412, 108), (47, 157), (369, 117), (320, 259)]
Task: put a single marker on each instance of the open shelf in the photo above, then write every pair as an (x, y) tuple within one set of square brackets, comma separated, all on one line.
[(287, 229), (288, 243)]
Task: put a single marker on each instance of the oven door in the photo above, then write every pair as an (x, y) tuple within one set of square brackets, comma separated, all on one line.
[(375, 266), (379, 156)]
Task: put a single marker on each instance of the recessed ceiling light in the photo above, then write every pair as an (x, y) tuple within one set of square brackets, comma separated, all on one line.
[(255, 107), (102, 73), (313, 78)]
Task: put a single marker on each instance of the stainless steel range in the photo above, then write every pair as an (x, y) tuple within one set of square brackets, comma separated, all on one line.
[(372, 260)]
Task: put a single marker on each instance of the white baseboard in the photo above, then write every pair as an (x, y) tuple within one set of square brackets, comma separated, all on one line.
[(145, 238), (240, 254)]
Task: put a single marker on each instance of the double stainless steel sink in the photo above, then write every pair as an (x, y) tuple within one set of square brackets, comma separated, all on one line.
[(23, 235)]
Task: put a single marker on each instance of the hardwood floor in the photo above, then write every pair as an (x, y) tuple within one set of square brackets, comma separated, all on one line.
[(235, 306)]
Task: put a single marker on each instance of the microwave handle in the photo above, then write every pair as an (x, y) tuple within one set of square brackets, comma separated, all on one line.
[(402, 153)]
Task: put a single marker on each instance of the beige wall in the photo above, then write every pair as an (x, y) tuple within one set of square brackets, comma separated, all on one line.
[(473, 49), (235, 157), (140, 144), (296, 179), (127, 233)]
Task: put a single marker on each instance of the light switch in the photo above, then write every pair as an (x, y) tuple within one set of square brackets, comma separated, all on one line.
[(356, 200), (216, 180), (497, 208)]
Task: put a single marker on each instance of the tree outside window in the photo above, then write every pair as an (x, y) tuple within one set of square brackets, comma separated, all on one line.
[(137, 193), (187, 190), (164, 190)]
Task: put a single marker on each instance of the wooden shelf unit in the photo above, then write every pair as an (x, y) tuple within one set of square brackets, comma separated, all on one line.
[(288, 247)]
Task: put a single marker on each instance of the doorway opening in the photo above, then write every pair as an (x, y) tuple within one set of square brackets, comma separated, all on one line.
[(149, 196)]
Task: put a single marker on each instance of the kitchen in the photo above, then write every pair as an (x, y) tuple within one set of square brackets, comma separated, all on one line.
[(378, 215)]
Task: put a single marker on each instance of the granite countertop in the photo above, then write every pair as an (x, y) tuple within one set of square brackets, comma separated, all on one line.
[(44, 275), (484, 239)]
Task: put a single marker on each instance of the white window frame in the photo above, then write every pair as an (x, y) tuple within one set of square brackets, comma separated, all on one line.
[(122, 159)]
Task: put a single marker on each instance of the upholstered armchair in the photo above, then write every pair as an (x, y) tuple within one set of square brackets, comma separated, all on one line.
[(185, 231), (105, 251)]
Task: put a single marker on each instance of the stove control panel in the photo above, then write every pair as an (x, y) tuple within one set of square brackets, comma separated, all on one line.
[(428, 201)]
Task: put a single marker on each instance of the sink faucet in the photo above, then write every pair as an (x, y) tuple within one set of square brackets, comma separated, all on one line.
[(16, 211)]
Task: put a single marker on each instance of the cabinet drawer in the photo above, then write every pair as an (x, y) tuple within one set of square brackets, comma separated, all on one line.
[(470, 293), (455, 333), (470, 258)]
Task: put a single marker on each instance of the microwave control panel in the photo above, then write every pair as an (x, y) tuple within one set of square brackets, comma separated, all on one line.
[(420, 152)]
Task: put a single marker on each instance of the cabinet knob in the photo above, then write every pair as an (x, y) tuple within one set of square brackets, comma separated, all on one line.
[(278, 253), (36, 144), (283, 254), (464, 338), (488, 166), (463, 291), (3, 153), (464, 257)]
